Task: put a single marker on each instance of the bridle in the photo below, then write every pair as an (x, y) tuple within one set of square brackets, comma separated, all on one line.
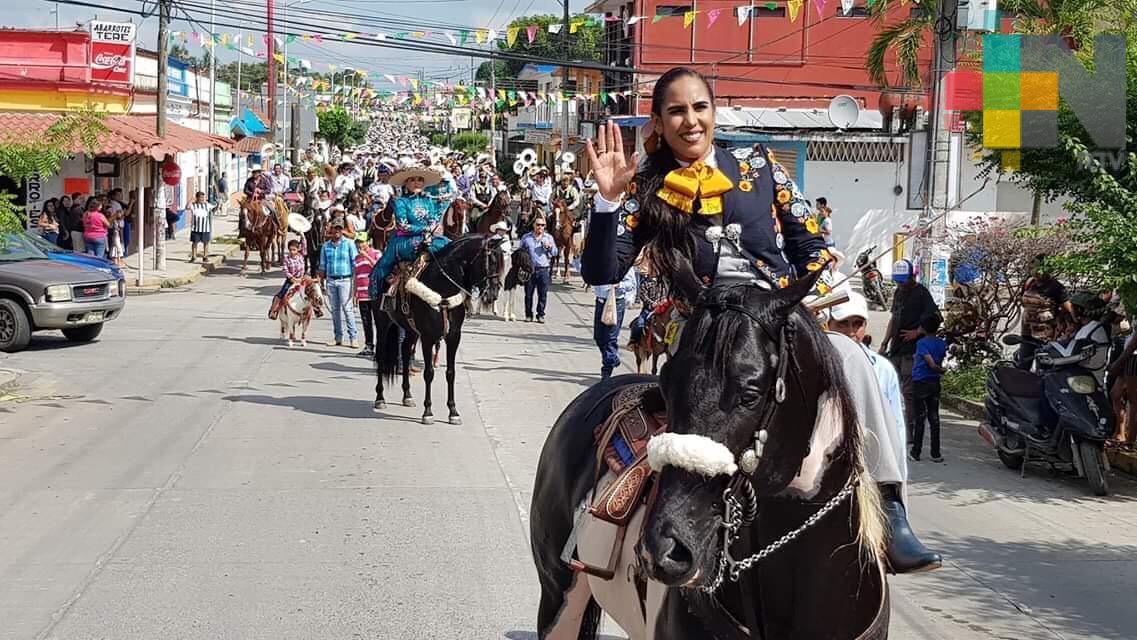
[(740, 499), (492, 277)]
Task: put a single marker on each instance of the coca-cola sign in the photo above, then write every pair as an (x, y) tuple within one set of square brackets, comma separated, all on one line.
[(112, 52)]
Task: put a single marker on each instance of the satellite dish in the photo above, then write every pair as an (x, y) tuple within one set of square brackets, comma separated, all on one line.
[(843, 111)]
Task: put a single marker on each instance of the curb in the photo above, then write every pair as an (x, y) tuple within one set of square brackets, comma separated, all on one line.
[(1122, 460), (211, 263), (964, 407)]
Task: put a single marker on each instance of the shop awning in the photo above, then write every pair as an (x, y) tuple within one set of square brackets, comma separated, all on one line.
[(249, 146), (126, 135)]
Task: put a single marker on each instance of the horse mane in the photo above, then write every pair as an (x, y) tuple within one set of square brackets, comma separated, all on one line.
[(720, 332)]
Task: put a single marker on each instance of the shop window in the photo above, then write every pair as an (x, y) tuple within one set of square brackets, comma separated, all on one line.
[(767, 12), (670, 10)]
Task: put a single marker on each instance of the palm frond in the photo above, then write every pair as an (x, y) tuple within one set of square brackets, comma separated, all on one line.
[(906, 39)]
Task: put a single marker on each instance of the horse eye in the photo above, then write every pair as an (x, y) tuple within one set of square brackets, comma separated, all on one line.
[(751, 396)]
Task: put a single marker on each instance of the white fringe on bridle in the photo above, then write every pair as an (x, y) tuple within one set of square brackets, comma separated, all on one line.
[(691, 452), (431, 297)]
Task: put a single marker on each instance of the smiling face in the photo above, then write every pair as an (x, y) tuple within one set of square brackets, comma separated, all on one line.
[(686, 118), (414, 184)]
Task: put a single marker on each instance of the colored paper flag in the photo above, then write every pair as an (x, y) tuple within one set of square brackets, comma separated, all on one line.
[(350, 36), (306, 38), (634, 19), (331, 67), (657, 17), (689, 18), (248, 39), (555, 27), (414, 84), (402, 35), (501, 94), (795, 8), (511, 36), (819, 5), (463, 35), (419, 34), (773, 6), (290, 39), (318, 38), (713, 15), (451, 38), (531, 32), (479, 36), (846, 6), (278, 57), (574, 27), (743, 13), (491, 36)]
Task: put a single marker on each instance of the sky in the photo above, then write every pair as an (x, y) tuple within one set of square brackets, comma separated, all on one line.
[(343, 15)]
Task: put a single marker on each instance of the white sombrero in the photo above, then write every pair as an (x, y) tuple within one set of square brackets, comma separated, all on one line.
[(299, 223), (430, 177), (499, 226)]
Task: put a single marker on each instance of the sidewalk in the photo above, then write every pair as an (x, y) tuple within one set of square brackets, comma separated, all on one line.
[(179, 270)]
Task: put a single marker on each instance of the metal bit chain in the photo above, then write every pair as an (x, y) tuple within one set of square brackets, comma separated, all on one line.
[(731, 523)]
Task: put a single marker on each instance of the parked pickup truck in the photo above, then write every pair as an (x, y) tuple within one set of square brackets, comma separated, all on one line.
[(40, 294)]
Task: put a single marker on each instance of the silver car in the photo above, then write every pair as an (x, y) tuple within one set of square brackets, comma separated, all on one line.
[(39, 294)]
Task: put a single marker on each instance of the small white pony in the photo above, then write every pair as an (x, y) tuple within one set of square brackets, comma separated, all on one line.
[(300, 303)]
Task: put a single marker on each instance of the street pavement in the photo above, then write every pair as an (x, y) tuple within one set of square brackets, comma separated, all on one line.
[(187, 476)]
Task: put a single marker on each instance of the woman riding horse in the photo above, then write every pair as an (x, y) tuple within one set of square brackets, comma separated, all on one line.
[(715, 216), (418, 217), (699, 216)]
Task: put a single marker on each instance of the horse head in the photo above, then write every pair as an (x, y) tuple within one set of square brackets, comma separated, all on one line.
[(314, 294), (488, 272), (743, 390)]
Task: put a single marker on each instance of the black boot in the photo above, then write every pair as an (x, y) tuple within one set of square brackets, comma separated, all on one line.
[(906, 554)]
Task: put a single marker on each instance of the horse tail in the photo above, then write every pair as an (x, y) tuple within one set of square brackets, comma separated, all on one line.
[(590, 621), (871, 529), (387, 357)]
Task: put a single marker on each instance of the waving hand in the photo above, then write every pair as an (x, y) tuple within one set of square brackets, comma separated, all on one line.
[(612, 170)]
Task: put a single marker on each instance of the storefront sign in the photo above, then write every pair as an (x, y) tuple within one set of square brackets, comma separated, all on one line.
[(112, 52), (171, 173), (33, 197)]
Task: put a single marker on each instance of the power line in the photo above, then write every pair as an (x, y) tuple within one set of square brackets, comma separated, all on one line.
[(441, 49)]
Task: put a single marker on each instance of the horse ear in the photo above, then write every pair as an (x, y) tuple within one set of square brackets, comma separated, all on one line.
[(794, 294)]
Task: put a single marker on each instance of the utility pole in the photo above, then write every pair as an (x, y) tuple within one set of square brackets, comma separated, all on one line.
[(270, 63), (240, 58), (565, 78), (937, 152), (493, 112), (213, 154), (163, 86)]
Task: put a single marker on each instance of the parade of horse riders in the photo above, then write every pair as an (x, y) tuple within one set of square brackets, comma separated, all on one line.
[(701, 282)]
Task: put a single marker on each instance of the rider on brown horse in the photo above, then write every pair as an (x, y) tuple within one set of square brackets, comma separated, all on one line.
[(256, 188)]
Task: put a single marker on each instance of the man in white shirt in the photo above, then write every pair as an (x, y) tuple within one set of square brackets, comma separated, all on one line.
[(607, 337), (541, 190), (280, 180), (874, 387), (345, 182)]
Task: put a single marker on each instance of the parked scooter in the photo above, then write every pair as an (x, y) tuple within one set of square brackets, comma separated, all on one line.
[(1057, 414), (872, 281)]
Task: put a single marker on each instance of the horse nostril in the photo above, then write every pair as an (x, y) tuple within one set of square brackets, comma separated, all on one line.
[(672, 558)]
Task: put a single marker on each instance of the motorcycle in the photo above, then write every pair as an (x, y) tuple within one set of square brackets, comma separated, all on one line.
[(1058, 413), (872, 281)]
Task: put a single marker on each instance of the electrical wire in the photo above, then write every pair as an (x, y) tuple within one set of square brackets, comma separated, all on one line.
[(441, 49)]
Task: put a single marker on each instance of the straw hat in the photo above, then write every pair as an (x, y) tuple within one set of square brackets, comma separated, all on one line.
[(429, 176)]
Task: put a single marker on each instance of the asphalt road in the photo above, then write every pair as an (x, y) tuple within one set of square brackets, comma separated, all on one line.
[(189, 477)]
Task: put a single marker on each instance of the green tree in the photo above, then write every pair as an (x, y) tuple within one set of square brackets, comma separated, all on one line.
[(1104, 198), (25, 156), (584, 45), (339, 129), (904, 39)]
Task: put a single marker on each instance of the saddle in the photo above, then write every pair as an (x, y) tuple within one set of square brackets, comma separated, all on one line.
[(396, 295), (621, 448)]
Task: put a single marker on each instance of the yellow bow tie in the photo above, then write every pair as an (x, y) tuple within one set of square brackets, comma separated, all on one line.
[(682, 186)]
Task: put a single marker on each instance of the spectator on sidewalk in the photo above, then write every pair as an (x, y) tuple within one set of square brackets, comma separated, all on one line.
[(911, 303), (95, 227), (541, 249), (364, 263), (926, 373), (73, 223), (607, 336), (201, 226), (337, 268)]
